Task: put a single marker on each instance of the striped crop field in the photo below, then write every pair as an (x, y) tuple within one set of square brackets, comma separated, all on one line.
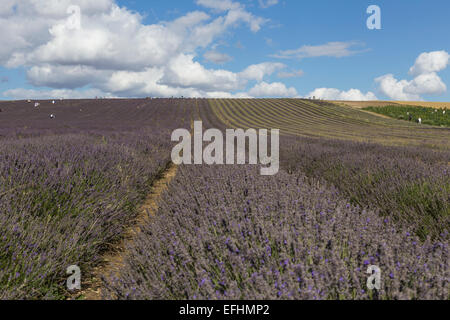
[(324, 119)]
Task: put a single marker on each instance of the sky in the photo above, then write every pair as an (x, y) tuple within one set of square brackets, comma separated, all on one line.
[(224, 48)]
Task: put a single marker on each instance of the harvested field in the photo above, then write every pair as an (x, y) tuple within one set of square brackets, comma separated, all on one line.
[(323, 119), (364, 104)]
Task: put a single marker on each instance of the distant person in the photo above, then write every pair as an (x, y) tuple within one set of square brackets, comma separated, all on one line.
[(419, 121), (52, 116)]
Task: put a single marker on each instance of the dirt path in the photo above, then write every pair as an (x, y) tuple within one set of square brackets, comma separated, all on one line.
[(113, 260), (363, 104), (377, 114)]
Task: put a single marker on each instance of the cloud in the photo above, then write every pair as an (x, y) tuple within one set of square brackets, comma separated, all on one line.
[(336, 94), (273, 90), (394, 88), (219, 5), (425, 82), (428, 83), (70, 77), (236, 13), (56, 93), (182, 71), (217, 57), (184, 76), (147, 83), (104, 41), (330, 49), (114, 53), (26, 24), (293, 74), (267, 3), (429, 62), (259, 71)]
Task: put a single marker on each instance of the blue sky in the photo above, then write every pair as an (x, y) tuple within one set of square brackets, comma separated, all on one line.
[(226, 48)]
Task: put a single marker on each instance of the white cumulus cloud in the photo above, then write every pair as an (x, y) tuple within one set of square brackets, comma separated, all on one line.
[(425, 81), (113, 52), (336, 94), (275, 89), (259, 71), (395, 89), (182, 71), (429, 62)]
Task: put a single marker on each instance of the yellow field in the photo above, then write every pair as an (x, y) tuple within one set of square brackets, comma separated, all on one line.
[(363, 104), (323, 119)]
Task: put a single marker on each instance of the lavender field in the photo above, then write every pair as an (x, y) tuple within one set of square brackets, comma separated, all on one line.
[(71, 185), (235, 235)]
